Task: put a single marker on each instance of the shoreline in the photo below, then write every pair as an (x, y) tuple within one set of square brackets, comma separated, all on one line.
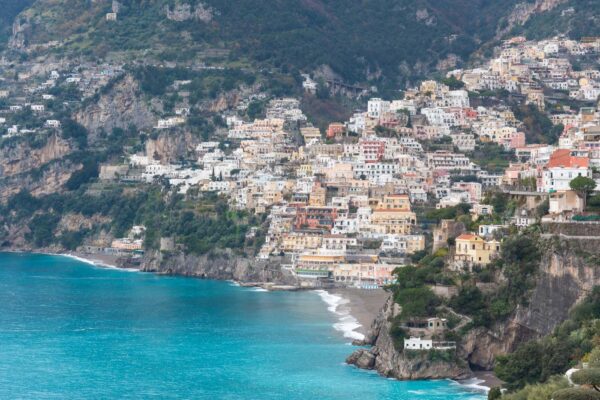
[(359, 307), (99, 260), (487, 379), (356, 309)]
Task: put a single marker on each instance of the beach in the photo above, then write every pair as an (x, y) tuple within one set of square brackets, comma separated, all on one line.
[(487, 379), (364, 305), (102, 260), (356, 309)]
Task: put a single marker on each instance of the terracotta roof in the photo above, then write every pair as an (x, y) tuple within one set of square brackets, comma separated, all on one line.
[(563, 158), (467, 236)]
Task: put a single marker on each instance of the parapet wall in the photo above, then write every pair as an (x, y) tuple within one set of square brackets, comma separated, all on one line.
[(573, 228)]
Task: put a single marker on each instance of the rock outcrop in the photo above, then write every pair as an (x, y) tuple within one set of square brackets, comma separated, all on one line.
[(222, 265), (19, 157), (171, 146), (40, 169), (385, 359), (184, 12), (120, 107), (20, 28), (525, 10), (569, 269)]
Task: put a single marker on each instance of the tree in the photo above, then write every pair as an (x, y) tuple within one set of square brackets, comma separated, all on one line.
[(255, 110), (583, 185), (521, 367), (453, 83), (588, 376), (494, 393), (576, 394)]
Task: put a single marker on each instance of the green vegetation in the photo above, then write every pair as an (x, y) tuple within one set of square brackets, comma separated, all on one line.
[(283, 35), (204, 83), (453, 83), (321, 112), (538, 391), (448, 213), (200, 226), (588, 376), (518, 262), (536, 361), (491, 157), (412, 293), (538, 127), (575, 394), (574, 17), (583, 186)]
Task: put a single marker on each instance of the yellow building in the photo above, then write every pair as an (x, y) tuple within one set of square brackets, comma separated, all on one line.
[(309, 133), (305, 170), (318, 196), (272, 194), (392, 215), (300, 241), (395, 202), (393, 221), (318, 264), (474, 250)]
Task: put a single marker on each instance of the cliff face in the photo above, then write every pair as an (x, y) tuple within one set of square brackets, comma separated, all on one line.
[(525, 10), (567, 273), (171, 146), (39, 170), (224, 265), (120, 107), (569, 269), (384, 358), (18, 158)]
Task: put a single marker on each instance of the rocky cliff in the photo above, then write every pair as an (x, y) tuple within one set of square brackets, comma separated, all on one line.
[(172, 146), (18, 157), (523, 11), (121, 106), (223, 265), (37, 169), (569, 269), (385, 359)]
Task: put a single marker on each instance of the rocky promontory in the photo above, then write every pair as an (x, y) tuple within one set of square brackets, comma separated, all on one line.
[(385, 358)]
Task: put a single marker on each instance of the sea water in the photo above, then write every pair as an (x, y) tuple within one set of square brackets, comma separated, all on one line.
[(69, 330)]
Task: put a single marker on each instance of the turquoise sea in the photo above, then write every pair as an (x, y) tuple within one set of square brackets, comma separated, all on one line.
[(69, 330)]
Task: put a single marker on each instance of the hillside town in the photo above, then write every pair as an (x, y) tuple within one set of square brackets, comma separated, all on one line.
[(350, 204)]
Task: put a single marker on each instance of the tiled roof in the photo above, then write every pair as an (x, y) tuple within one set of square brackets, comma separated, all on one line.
[(563, 158)]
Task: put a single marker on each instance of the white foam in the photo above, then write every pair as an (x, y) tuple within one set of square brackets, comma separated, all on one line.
[(81, 259), (258, 289), (96, 263), (347, 323), (474, 384)]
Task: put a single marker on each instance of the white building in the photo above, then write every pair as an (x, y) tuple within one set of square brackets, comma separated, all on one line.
[(52, 123), (376, 107), (427, 344)]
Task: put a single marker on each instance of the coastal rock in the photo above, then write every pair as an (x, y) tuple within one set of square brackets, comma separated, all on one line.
[(567, 273), (223, 265), (385, 359), (362, 358)]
